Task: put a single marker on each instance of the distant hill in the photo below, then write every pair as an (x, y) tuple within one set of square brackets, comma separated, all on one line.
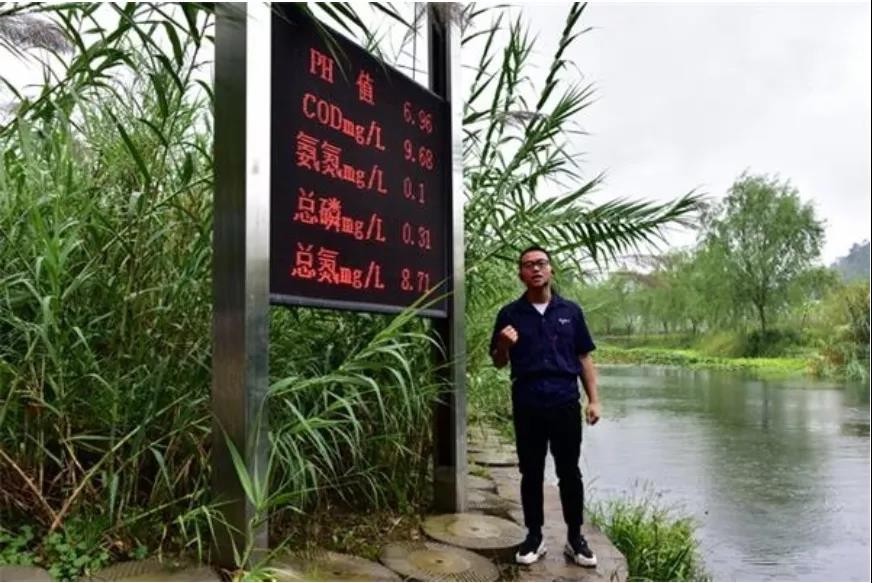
[(855, 265)]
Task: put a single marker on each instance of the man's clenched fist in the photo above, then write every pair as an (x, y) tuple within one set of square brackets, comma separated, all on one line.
[(507, 338)]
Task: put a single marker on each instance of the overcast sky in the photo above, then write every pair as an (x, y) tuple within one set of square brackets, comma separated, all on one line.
[(690, 95)]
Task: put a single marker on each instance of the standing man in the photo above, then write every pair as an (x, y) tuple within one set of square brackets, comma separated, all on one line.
[(547, 342)]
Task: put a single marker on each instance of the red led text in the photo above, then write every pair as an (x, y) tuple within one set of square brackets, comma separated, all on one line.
[(365, 88), (414, 281), (423, 156), (413, 190), (331, 115), (320, 65), (323, 266), (326, 159), (326, 212), (421, 119), (416, 236)]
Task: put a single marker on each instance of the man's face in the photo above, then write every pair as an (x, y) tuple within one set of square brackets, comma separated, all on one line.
[(535, 269)]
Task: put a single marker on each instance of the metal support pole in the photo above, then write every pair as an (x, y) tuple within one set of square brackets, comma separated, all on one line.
[(240, 270), (450, 465)]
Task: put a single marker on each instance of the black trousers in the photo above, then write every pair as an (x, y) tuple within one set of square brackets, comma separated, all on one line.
[(535, 430)]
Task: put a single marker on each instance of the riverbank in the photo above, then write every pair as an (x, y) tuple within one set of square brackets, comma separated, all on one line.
[(782, 367)]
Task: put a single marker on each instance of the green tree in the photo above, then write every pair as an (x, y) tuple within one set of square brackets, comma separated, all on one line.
[(855, 265), (766, 237), (606, 304), (807, 292), (840, 327), (702, 294)]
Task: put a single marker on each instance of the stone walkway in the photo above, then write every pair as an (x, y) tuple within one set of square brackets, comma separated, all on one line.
[(9, 573), (554, 566), (145, 570)]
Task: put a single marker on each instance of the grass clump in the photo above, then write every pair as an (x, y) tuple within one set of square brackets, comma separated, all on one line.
[(659, 544)]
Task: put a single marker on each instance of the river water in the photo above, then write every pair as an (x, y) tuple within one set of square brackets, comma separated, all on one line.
[(776, 473)]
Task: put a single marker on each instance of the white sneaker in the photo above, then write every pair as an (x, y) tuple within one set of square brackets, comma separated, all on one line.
[(531, 550), (578, 551)]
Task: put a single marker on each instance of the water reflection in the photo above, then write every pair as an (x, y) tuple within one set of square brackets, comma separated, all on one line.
[(777, 473)]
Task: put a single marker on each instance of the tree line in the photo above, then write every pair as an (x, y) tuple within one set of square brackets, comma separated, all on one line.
[(751, 285)]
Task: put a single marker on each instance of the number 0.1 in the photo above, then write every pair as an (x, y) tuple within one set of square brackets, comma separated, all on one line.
[(409, 190)]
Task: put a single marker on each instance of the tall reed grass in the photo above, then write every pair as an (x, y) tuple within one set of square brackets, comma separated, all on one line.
[(105, 292), (105, 318)]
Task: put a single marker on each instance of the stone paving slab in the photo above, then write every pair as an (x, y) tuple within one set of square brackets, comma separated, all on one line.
[(479, 483), (8, 573), (490, 503), (490, 536), (494, 458), (328, 566), (431, 561), (154, 570), (555, 566)]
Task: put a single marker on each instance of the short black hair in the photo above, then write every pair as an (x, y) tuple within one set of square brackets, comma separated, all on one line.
[(533, 248)]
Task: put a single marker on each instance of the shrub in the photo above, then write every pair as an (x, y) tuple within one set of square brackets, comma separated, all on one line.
[(769, 343)]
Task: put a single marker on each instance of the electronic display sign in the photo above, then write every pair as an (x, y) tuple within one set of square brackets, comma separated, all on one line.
[(360, 176)]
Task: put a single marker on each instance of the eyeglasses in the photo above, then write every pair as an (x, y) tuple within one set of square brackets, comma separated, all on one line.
[(541, 264)]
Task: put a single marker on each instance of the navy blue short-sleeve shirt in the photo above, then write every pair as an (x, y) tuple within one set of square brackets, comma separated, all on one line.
[(545, 360)]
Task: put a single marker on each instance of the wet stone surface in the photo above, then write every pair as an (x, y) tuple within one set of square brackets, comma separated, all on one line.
[(555, 566), (155, 570), (8, 573)]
